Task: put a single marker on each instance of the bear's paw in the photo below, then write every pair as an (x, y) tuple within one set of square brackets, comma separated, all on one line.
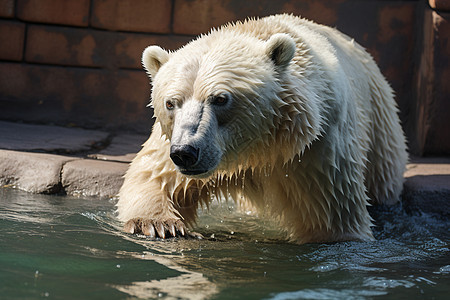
[(154, 229)]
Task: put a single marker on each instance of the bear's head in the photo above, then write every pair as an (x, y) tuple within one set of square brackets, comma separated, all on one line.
[(215, 97)]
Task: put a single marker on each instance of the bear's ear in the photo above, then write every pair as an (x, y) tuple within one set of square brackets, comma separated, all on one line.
[(153, 58), (281, 49)]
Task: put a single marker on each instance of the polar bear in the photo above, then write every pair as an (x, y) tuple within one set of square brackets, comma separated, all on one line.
[(289, 116)]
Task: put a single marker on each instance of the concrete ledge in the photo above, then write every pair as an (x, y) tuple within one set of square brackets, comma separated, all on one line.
[(427, 185), (49, 173), (96, 166), (32, 172), (87, 177)]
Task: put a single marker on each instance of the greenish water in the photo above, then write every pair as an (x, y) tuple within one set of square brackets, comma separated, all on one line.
[(70, 248)]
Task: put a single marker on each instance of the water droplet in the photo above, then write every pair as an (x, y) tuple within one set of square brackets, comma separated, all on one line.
[(118, 266)]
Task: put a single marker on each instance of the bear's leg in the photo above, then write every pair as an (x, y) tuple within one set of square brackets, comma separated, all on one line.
[(384, 177), (327, 207), (154, 199), (387, 155), (323, 194)]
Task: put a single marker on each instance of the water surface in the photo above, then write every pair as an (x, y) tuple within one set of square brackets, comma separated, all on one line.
[(63, 247)]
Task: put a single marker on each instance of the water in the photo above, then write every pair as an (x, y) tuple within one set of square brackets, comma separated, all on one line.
[(71, 248)]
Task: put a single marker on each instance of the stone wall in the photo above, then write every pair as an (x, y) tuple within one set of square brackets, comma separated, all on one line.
[(77, 62)]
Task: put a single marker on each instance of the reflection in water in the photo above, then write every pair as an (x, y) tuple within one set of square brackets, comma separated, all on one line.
[(188, 285), (70, 247)]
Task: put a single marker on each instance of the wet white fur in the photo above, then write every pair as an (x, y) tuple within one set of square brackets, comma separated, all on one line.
[(314, 131)]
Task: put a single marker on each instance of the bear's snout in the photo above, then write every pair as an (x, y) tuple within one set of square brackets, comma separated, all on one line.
[(184, 156)]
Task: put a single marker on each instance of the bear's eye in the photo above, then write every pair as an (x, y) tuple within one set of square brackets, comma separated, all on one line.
[(220, 100), (169, 105)]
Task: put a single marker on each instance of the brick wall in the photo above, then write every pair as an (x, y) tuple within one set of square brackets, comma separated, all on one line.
[(77, 62)]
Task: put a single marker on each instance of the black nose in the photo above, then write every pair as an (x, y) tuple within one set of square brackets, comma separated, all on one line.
[(184, 156)]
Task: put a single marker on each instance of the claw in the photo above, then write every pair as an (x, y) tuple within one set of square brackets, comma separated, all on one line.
[(152, 231), (145, 228), (155, 229), (130, 227), (172, 230), (181, 229), (161, 230), (196, 235)]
